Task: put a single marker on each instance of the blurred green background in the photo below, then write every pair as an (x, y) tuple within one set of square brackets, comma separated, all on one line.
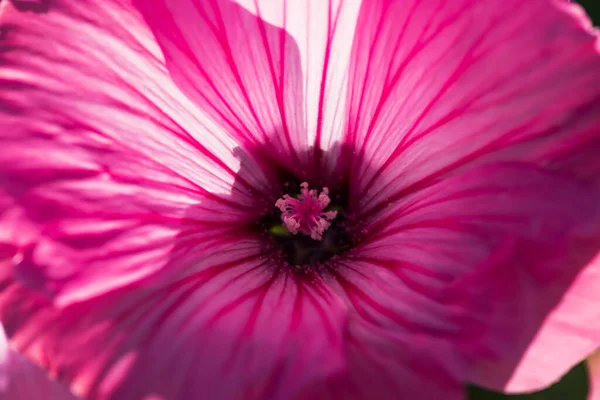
[(574, 385)]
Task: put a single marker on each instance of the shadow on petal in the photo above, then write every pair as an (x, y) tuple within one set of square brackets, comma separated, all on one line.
[(35, 6)]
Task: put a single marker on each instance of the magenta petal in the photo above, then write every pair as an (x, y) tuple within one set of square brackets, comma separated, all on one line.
[(238, 68), (480, 260), (437, 86), (232, 327), (390, 364), (271, 72), (567, 335), (20, 379), (103, 158), (384, 365)]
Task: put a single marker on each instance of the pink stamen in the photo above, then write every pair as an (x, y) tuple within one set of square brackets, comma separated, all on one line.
[(305, 214)]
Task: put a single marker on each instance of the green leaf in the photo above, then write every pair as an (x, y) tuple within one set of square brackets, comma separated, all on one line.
[(573, 386)]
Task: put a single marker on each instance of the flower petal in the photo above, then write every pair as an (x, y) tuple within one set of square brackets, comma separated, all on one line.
[(385, 365), (567, 334), (241, 70), (233, 327), (271, 71), (478, 261), (20, 379), (102, 155), (437, 86)]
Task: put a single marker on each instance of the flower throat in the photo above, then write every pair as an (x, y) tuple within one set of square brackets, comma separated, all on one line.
[(308, 226)]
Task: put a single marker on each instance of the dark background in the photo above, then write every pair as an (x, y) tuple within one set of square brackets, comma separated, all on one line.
[(593, 9)]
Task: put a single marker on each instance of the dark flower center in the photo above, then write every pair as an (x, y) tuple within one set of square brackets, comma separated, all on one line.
[(308, 217), (308, 245), (307, 212)]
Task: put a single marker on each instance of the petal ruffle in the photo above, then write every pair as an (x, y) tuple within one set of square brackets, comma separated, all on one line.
[(103, 157), (438, 86), (479, 260)]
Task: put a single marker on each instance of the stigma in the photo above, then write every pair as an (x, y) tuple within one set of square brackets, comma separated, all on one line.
[(306, 214)]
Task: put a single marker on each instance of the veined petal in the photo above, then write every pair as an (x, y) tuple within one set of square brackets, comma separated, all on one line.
[(270, 71), (383, 364), (567, 334), (480, 260), (21, 379), (103, 157), (241, 70), (437, 86), (232, 327)]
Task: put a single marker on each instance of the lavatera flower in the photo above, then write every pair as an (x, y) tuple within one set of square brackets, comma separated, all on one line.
[(296, 199)]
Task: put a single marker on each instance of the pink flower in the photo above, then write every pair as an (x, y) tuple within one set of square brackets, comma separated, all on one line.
[(144, 147)]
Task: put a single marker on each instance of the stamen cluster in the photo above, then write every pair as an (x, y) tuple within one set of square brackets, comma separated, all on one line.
[(306, 213)]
